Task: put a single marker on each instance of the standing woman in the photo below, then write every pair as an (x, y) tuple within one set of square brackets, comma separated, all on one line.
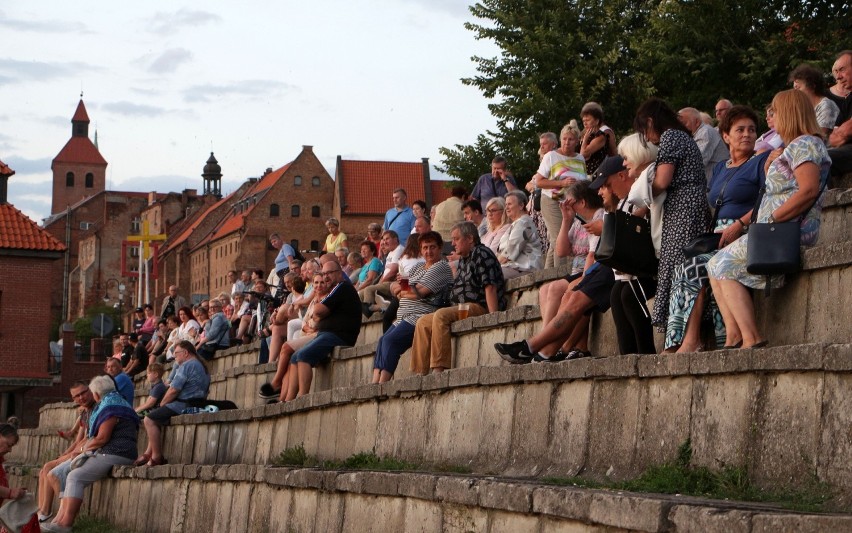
[(519, 251), (793, 184), (680, 173), (336, 239), (559, 168), (735, 183), (598, 140), (111, 441)]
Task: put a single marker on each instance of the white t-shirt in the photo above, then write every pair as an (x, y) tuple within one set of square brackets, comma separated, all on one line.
[(393, 258), (555, 166)]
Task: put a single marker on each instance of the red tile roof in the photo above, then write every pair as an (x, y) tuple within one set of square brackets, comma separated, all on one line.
[(269, 180), (5, 170), (441, 190), (368, 185), (80, 150), (18, 232), (184, 235), (80, 114)]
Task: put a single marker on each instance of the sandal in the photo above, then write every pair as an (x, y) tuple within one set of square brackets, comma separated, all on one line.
[(142, 460), (157, 462)]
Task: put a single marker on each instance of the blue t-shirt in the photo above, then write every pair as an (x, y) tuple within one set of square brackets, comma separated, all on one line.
[(158, 390), (191, 380), (124, 386), (402, 224), (281, 261), (741, 192), (373, 266)]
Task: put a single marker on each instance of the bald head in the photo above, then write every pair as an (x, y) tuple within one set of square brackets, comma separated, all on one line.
[(690, 117), (722, 107)]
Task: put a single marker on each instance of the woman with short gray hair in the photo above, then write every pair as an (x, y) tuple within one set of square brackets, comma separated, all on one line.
[(519, 251), (112, 434)]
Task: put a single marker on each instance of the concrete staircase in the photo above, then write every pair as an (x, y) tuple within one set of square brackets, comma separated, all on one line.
[(782, 413)]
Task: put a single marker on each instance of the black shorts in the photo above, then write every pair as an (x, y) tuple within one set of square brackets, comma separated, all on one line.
[(161, 415), (597, 285)]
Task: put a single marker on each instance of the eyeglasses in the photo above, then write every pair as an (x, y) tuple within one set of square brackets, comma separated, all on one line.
[(79, 394), (180, 352)]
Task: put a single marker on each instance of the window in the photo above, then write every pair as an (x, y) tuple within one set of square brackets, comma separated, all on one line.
[(295, 211), (297, 181), (315, 211), (315, 245), (315, 181), (295, 244), (69, 179), (90, 180), (274, 210), (135, 224)]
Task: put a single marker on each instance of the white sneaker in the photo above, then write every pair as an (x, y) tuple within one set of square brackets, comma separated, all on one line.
[(381, 302), (210, 409)]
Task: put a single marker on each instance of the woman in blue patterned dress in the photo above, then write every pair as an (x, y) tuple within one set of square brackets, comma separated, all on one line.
[(680, 173), (793, 184)]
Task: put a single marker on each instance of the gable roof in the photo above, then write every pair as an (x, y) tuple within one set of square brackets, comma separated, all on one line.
[(19, 232), (367, 186), (5, 170), (79, 150)]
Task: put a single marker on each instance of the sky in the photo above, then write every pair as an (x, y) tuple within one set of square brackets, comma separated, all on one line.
[(166, 83)]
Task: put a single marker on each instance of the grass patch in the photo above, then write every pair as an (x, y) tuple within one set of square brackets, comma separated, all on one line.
[(730, 483), (296, 456), (91, 524)]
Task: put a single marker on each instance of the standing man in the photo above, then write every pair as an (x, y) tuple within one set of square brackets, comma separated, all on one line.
[(709, 141), (338, 322), (449, 212), (479, 283), (171, 303), (286, 254), (400, 217), (497, 183)]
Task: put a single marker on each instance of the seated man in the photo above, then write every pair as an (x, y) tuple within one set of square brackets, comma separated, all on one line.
[(338, 322), (392, 251), (216, 329), (139, 358), (840, 139), (479, 283), (51, 477), (592, 293)]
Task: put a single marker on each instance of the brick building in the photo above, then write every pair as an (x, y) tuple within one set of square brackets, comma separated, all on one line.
[(27, 255), (79, 170), (363, 191), (294, 200)]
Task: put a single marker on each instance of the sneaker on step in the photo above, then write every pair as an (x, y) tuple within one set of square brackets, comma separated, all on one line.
[(381, 302), (268, 393), (555, 358), (517, 353)]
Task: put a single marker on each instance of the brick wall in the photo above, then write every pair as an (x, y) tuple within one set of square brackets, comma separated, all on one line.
[(63, 196)]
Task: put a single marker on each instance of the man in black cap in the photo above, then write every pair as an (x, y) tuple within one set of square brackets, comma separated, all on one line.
[(591, 294)]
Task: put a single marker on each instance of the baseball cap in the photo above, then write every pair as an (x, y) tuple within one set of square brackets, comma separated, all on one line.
[(611, 165)]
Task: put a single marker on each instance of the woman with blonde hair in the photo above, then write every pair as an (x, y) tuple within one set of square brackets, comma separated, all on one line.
[(558, 169), (794, 184), (336, 239)]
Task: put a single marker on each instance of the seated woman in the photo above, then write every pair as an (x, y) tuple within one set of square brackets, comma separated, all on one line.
[(519, 251), (734, 187), (173, 323), (810, 81), (336, 239), (374, 235), (372, 268), (112, 434), (427, 291), (573, 241), (356, 263), (187, 331), (8, 439), (770, 140), (794, 183), (283, 314), (495, 218), (410, 258), (188, 381)]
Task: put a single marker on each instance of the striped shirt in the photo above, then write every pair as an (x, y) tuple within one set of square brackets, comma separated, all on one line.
[(438, 279)]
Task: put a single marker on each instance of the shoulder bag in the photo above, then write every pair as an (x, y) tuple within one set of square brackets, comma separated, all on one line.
[(626, 245), (709, 241)]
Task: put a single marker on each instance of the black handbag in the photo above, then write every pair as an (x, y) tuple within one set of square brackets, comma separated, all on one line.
[(708, 242), (626, 245)]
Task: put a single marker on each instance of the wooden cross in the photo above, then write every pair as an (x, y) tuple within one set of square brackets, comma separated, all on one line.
[(145, 239)]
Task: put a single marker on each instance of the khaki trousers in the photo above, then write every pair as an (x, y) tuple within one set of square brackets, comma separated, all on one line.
[(432, 341), (368, 294)]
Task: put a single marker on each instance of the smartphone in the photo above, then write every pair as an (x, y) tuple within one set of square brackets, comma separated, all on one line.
[(581, 219)]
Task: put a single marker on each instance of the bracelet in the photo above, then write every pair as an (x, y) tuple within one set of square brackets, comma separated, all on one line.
[(741, 222)]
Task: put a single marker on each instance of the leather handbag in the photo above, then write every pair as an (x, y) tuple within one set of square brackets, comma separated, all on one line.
[(708, 242), (626, 245)]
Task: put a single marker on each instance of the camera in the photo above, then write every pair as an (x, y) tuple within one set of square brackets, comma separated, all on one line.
[(274, 300)]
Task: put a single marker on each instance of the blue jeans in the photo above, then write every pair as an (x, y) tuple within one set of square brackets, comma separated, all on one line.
[(318, 351), (392, 345)]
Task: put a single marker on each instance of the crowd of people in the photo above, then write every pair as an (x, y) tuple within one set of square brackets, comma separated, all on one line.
[(424, 269)]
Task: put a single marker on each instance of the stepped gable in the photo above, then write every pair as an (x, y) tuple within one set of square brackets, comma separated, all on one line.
[(19, 232)]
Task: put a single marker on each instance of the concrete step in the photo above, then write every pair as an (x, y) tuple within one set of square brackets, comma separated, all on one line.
[(611, 417), (252, 498)]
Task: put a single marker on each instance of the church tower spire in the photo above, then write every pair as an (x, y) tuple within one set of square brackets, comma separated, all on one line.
[(212, 177), (79, 170)]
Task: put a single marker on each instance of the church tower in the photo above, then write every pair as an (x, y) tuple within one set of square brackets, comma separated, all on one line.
[(212, 177), (79, 170)]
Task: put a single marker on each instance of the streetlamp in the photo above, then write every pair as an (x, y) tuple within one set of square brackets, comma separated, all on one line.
[(120, 286)]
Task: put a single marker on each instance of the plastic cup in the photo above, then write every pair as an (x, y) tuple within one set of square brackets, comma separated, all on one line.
[(403, 284), (464, 311)]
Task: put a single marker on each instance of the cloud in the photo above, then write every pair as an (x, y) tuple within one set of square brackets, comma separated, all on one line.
[(168, 23), (43, 26), (132, 109), (170, 60), (22, 165), (252, 89), (450, 7), (12, 70)]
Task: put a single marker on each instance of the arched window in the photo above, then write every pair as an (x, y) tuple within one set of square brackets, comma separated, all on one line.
[(295, 211), (69, 179), (315, 181), (90, 180), (315, 211), (274, 210), (315, 245), (297, 181)]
